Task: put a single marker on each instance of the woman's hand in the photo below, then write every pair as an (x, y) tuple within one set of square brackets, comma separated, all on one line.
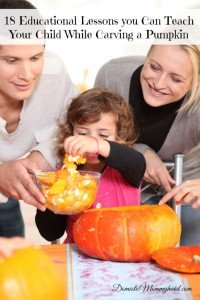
[(156, 172), (79, 145), (9, 245), (185, 193)]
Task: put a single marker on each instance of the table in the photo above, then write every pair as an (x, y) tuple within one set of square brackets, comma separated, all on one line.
[(58, 254)]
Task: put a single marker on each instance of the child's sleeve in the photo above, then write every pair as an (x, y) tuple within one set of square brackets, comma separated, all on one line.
[(51, 226), (129, 162)]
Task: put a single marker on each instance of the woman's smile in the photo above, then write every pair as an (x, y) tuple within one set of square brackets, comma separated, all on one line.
[(166, 75), (155, 91)]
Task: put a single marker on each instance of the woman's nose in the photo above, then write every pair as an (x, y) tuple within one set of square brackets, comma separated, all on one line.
[(160, 82), (25, 72)]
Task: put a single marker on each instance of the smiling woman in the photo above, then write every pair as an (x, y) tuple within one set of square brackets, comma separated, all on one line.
[(164, 92), (161, 83)]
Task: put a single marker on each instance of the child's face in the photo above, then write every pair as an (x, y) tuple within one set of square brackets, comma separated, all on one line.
[(105, 128)]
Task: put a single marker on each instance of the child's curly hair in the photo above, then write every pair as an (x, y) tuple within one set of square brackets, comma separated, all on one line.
[(88, 108)]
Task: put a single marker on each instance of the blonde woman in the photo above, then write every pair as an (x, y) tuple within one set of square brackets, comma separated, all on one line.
[(163, 90)]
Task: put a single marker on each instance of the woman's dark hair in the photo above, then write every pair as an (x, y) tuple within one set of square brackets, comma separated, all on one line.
[(16, 4)]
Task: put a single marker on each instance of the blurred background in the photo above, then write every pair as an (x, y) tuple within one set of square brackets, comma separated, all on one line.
[(83, 58)]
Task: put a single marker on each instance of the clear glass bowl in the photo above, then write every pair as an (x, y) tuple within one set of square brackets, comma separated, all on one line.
[(68, 194)]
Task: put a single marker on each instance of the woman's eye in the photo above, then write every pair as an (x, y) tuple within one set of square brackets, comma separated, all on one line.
[(82, 133), (154, 68), (177, 80)]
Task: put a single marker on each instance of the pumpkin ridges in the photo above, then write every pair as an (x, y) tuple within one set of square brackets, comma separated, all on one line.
[(127, 250), (88, 233), (172, 236), (139, 242), (156, 224), (168, 226), (106, 236), (102, 255), (149, 229), (158, 240), (168, 238), (128, 233), (174, 229), (127, 247)]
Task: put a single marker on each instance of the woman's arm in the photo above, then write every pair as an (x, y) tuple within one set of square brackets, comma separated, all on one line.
[(156, 171), (130, 163), (51, 226)]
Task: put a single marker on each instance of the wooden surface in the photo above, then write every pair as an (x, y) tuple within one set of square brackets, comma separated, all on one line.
[(57, 253)]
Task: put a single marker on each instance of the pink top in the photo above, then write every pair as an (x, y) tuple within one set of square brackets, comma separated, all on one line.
[(113, 191)]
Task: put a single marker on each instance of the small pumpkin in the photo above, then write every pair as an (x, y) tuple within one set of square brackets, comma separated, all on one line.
[(185, 259), (128, 233), (29, 275)]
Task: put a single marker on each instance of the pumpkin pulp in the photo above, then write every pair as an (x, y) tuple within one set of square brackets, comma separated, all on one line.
[(196, 259)]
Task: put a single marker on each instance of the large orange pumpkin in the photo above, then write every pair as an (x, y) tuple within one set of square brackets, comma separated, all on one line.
[(185, 259), (30, 275), (128, 233)]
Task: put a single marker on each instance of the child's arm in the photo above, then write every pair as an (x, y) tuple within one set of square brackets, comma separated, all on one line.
[(130, 163), (51, 226)]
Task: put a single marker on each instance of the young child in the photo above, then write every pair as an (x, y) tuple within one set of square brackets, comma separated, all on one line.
[(99, 126)]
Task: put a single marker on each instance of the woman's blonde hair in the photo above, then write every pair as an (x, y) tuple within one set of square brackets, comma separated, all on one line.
[(89, 106), (193, 52)]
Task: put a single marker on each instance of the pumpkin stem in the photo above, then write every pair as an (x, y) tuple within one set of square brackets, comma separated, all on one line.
[(196, 258)]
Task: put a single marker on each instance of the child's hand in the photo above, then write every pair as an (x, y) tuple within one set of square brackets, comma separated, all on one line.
[(9, 245), (79, 145)]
